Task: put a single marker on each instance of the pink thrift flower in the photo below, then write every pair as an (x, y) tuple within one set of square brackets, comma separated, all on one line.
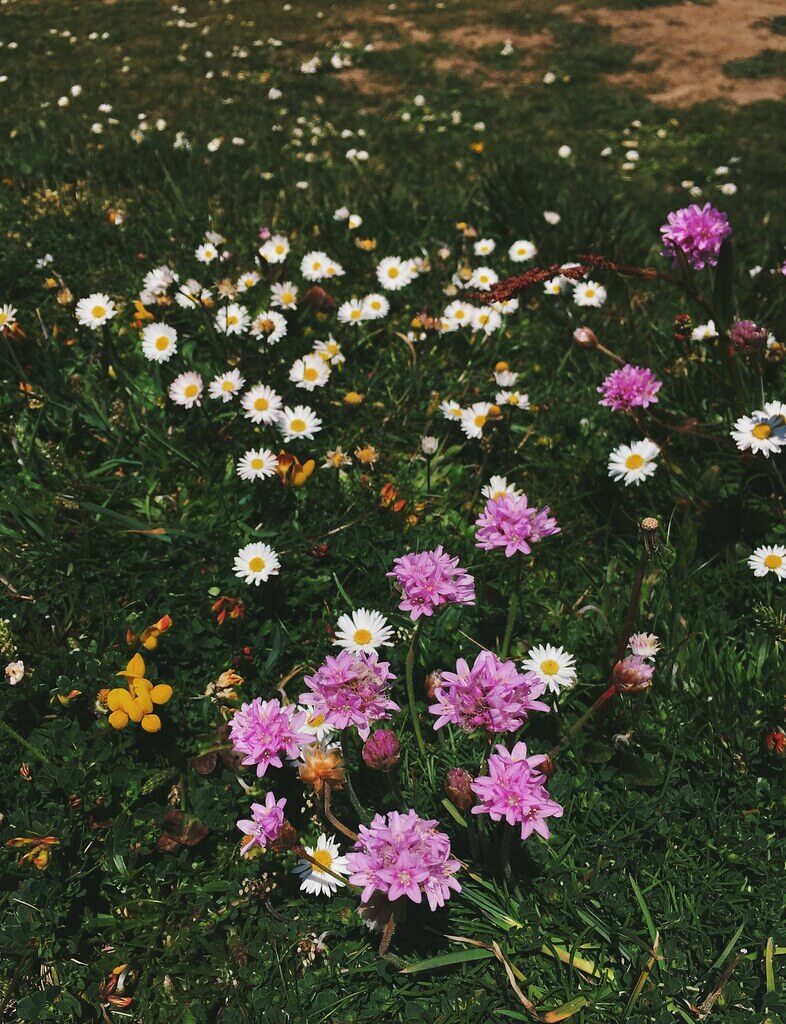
[(403, 855), (492, 695), (351, 689), (509, 522), (698, 231), (264, 730), (514, 790), (265, 825), (429, 579), (628, 388)]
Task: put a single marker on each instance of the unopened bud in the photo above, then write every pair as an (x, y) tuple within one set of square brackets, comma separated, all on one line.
[(585, 337), (632, 674), (458, 788), (548, 767), (382, 751), (286, 838), (429, 445), (433, 680)]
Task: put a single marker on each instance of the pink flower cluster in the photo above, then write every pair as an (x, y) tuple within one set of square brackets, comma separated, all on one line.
[(492, 695), (630, 387), (266, 823), (698, 231), (264, 730), (351, 689), (509, 522), (515, 790), (428, 579), (404, 855)]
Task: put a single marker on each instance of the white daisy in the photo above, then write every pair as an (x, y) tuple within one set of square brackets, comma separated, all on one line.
[(354, 221), (226, 385), (351, 312), (646, 645), (261, 404), (363, 631), (256, 563), (484, 247), (762, 432), (522, 250), (7, 316), (505, 378), (327, 855), (552, 665), (206, 252), (283, 295), (483, 278), (233, 319), (457, 314), (633, 463), (269, 326), (704, 332), (375, 306), (275, 249), (769, 558), (505, 306), (394, 273), (556, 285), (191, 294), (473, 420), (318, 727), (315, 265), (330, 351), (246, 281), (589, 293), (450, 410), (186, 389), (257, 464), (96, 310), (515, 398), (498, 486), (486, 319), (159, 342), (299, 422), (310, 372)]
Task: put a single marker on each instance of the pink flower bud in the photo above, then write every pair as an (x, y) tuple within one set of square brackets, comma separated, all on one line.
[(585, 337), (458, 787), (382, 751), (632, 675)]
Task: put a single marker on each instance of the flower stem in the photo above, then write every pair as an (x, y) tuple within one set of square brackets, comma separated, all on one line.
[(300, 852), (512, 609), (413, 711), (334, 820), (360, 810), (577, 725)]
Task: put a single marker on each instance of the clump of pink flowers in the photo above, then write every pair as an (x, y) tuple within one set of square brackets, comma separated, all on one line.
[(429, 579), (514, 790), (492, 695), (630, 387), (265, 825), (264, 730), (698, 231), (404, 855), (510, 522), (351, 689)]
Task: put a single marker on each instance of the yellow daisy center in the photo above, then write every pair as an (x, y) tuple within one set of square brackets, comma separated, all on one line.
[(316, 721), (297, 425), (355, 314), (324, 858), (287, 297), (590, 293), (98, 311), (231, 320), (362, 636), (256, 564), (162, 343), (634, 462), (3, 318), (549, 667), (480, 421), (279, 249), (460, 314), (257, 463), (191, 391), (266, 325), (310, 373), (261, 404), (773, 561), (762, 431), (227, 385)]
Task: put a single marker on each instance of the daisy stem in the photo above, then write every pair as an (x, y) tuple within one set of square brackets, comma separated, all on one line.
[(360, 810), (332, 819), (300, 852), (512, 609), (413, 711)]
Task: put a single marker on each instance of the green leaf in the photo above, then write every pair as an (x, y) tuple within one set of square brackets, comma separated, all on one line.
[(460, 956)]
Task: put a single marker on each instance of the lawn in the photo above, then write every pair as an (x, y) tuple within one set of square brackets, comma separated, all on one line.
[(201, 205)]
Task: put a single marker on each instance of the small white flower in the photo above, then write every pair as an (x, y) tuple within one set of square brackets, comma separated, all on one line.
[(551, 217), (159, 342), (261, 404), (283, 294), (363, 631), (256, 563), (394, 273), (497, 487), (633, 463), (450, 410), (186, 389), (330, 351), (375, 306), (589, 293), (269, 326), (233, 319), (704, 332), (483, 278), (14, 672), (7, 315), (312, 371), (484, 247), (275, 249), (315, 881), (226, 385), (769, 558), (457, 314), (552, 665), (764, 431), (474, 419), (351, 312), (206, 253), (646, 645), (95, 310), (514, 398), (257, 464), (301, 421), (522, 250), (564, 152)]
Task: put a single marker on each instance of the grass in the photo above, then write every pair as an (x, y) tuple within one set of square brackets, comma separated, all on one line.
[(120, 508)]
